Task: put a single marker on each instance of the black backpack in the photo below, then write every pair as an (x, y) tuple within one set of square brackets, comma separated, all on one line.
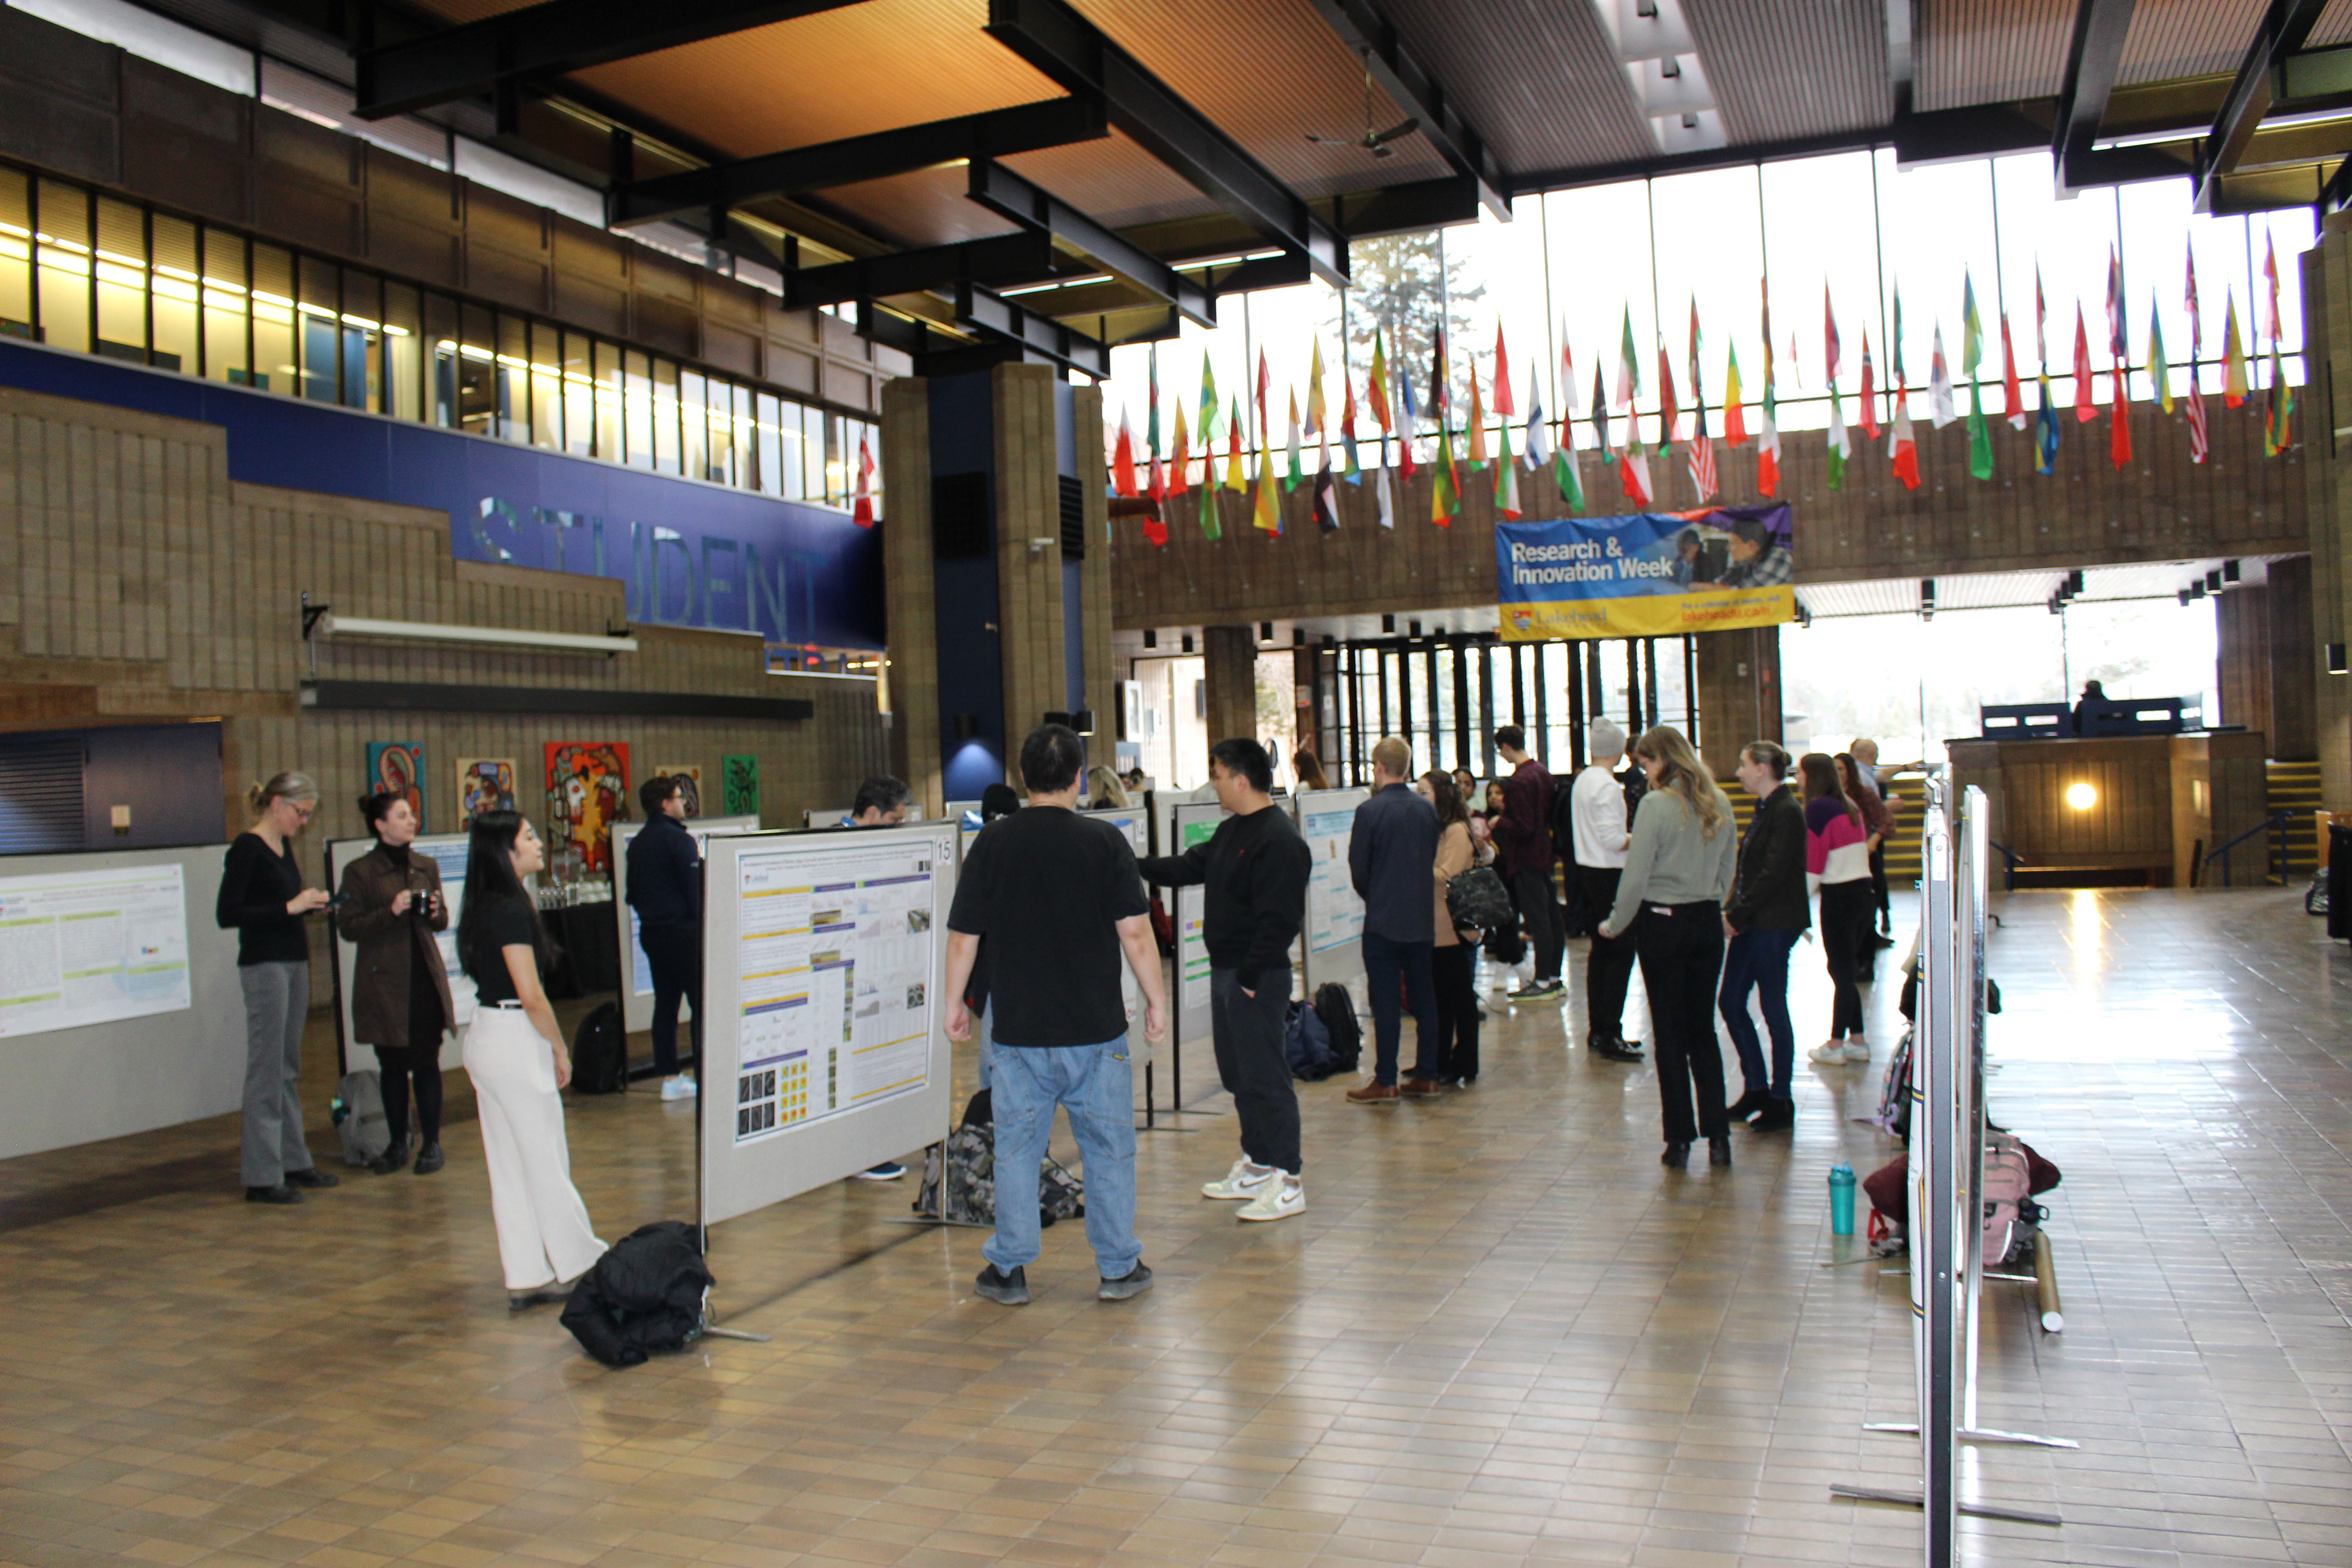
[(1337, 1012), (600, 1052)]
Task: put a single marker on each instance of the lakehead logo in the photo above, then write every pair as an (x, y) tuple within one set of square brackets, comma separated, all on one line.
[(1522, 618)]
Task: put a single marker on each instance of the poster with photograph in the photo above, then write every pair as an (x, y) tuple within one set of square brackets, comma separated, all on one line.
[(397, 767), (1646, 574), (484, 783), (740, 777), (587, 792), (690, 782)]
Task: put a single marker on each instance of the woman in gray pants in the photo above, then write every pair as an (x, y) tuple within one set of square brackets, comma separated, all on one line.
[(263, 900)]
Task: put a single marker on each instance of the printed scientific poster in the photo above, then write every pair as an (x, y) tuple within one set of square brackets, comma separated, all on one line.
[(397, 767), (92, 947), (834, 972), (1192, 933), (740, 783), (690, 782), (587, 792), (1335, 915), (484, 783)]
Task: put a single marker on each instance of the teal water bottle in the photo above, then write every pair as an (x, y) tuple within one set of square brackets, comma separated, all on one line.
[(1842, 1199)]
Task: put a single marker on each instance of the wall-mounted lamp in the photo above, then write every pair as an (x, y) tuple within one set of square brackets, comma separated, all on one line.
[(1388, 626), (1927, 598), (1083, 720), (1412, 628), (2336, 665), (1188, 642), (2082, 797), (2230, 570), (1150, 637), (1265, 631), (967, 726)]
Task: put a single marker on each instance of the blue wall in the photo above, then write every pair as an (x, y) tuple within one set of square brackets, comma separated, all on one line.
[(965, 596), (691, 555)]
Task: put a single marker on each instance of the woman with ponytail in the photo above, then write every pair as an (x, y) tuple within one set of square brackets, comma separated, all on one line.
[(1678, 870), (514, 1053), (262, 898)]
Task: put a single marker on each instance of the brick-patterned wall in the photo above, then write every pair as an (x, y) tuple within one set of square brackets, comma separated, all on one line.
[(909, 603), (2327, 316), (1029, 581), (89, 110), (135, 576), (1104, 670), (2161, 508)]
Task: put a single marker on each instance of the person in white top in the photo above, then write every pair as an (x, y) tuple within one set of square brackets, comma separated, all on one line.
[(1596, 809)]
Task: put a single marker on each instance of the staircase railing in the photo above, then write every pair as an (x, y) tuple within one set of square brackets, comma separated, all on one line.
[(2273, 824)]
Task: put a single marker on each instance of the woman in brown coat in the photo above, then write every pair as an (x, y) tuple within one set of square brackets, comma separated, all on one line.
[(1453, 962), (390, 909)]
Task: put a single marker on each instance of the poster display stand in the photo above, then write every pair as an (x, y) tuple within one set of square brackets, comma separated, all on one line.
[(1334, 935), (824, 963), (447, 850), (1189, 822), (636, 973)]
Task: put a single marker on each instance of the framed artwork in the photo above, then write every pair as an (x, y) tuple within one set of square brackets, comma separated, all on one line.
[(587, 792), (484, 783), (739, 779), (398, 767), (690, 782)]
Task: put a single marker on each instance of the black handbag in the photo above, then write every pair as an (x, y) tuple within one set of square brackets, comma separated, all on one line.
[(1478, 900)]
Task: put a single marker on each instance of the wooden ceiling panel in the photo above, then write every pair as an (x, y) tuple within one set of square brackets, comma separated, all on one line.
[(1539, 78), (1795, 68), (1989, 51), (2170, 38), (2335, 25)]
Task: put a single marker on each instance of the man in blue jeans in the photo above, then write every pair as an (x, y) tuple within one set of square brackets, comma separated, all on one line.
[(1392, 860), (1767, 912), (1059, 900)]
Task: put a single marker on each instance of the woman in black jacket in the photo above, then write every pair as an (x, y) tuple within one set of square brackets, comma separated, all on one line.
[(1766, 914)]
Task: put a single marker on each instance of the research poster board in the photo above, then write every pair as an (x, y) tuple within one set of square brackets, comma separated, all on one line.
[(96, 946), (836, 817), (151, 1065), (1134, 822), (1334, 934), (1191, 823), (447, 850), (637, 996), (825, 964)]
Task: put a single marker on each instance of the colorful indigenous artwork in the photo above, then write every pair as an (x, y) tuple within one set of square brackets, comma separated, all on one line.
[(587, 792), (740, 777), (689, 784), (397, 767), (484, 783)]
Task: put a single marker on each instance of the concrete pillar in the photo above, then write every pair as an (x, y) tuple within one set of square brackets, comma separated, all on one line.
[(1229, 670), (2294, 662), (1738, 693), (2242, 678), (2328, 336), (998, 614)]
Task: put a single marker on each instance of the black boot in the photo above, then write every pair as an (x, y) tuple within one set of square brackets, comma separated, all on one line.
[(1747, 1105), (1718, 1150), (428, 1158), (1678, 1156), (394, 1156)]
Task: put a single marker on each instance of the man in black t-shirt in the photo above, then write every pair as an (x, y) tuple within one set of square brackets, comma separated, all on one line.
[(1057, 899)]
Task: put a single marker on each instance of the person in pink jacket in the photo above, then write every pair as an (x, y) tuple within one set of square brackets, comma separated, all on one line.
[(1837, 866)]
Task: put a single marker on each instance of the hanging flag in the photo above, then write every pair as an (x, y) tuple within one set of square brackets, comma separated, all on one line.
[(1327, 501), (1600, 416), (1506, 476), (1379, 390), (1868, 401), (2233, 358), (1564, 468), (1291, 483), (2277, 419), (2271, 273), (1157, 488), (1702, 450), (1445, 481), (1667, 412), (1354, 473), (1410, 416), (1734, 412), (1901, 443), (2119, 446), (1264, 431), (1941, 409), (1502, 377), (1980, 432), (1477, 423), (2012, 393), (1236, 475), (1768, 442), (1971, 358), (1316, 407), (1266, 505), (2083, 412), (1122, 460), (863, 513), (2045, 441), (2160, 372), (1840, 447), (1539, 434), (1383, 499), (1629, 375), (1634, 474), (1181, 458), (1902, 377), (1207, 423), (2199, 444)]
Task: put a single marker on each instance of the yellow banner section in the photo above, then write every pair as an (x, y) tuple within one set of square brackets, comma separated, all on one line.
[(1650, 614)]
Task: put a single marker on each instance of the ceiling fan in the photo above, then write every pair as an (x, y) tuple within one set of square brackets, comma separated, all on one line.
[(1376, 142)]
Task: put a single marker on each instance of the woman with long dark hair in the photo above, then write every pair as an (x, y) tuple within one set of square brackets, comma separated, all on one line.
[(1453, 962), (390, 909), (1837, 866), (514, 1053), (1678, 871)]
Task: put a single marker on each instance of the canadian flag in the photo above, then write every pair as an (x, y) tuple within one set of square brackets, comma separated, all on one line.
[(863, 515), (1906, 449), (1122, 459)]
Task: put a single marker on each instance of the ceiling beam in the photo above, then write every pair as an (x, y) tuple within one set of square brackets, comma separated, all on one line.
[(1002, 192), (1002, 260), (1026, 128), (2094, 58), (1364, 27), (548, 39), (1041, 339), (1072, 51), (2285, 26)]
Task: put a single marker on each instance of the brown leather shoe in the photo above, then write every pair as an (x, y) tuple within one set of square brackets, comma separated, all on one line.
[(1374, 1093), (1418, 1088)]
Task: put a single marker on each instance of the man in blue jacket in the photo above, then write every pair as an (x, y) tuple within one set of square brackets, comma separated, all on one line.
[(1392, 861), (665, 889)]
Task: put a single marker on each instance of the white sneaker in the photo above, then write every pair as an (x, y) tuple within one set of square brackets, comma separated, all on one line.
[(1280, 1200), (679, 1088), (1857, 1049), (1829, 1052), (1241, 1183)]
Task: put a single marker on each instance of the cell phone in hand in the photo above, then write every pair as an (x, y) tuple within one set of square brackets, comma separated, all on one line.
[(337, 902)]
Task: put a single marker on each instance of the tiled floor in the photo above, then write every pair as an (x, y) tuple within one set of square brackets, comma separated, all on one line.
[(1502, 1334)]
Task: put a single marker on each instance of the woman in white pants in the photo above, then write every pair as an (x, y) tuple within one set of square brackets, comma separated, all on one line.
[(515, 1055)]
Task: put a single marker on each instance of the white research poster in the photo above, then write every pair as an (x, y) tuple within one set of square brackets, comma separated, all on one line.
[(92, 947), (1335, 914), (834, 970)]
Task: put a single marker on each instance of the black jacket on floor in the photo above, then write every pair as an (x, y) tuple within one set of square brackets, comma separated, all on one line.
[(643, 1297)]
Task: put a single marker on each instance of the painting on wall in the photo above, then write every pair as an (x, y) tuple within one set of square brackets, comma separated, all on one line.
[(587, 792), (739, 778), (397, 767), (689, 784), (484, 783)]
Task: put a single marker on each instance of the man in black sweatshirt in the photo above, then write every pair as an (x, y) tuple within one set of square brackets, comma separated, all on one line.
[(1255, 869)]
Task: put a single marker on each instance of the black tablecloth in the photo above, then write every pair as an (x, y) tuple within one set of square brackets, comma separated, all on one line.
[(592, 951)]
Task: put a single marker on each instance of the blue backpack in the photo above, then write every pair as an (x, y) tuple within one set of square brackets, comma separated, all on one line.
[(1307, 1044)]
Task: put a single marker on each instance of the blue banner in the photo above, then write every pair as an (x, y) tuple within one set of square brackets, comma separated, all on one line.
[(1646, 574)]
